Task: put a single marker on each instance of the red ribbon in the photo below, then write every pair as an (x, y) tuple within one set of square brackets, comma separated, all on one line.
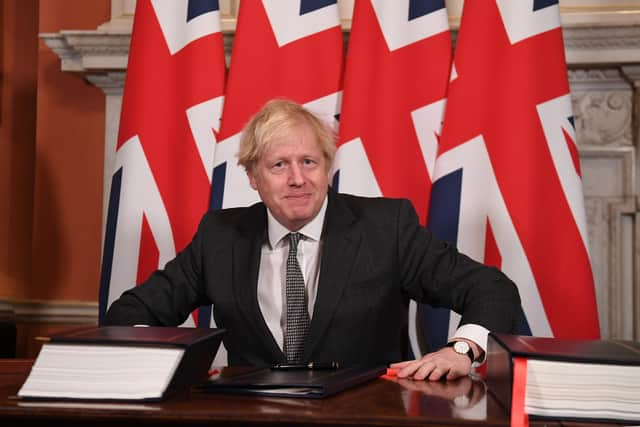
[(518, 417)]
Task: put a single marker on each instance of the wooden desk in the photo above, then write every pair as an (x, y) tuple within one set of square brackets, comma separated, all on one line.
[(378, 403)]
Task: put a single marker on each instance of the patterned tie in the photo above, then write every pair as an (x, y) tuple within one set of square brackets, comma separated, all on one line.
[(297, 314)]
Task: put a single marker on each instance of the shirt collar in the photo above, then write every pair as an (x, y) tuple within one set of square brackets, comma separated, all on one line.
[(312, 230)]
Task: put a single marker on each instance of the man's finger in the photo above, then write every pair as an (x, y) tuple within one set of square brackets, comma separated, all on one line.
[(424, 370), (400, 365), (437, 373), (408, 370)]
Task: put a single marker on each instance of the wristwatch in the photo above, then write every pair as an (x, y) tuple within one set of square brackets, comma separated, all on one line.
[(462, 347)]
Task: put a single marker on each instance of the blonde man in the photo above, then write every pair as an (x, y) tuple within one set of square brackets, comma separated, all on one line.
[(358, 261)]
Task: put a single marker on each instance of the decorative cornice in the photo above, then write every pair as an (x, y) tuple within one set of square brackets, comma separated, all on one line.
[(111, 83), (101, 51), (602, 44), (90, 51), (632, 72), (597, 78), (603, 118), (602, 37)]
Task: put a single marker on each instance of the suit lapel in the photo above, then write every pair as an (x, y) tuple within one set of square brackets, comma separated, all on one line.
[(246, 264), (341, 241)]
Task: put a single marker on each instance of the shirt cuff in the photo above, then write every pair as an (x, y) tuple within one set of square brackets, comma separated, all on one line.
[(476, 333)]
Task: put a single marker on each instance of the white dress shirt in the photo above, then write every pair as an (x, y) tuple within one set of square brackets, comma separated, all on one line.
[(273, 267), (272, 274)]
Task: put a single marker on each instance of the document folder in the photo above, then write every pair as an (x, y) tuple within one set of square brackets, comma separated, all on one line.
[(573, 380), (303, 383), (121, 363)]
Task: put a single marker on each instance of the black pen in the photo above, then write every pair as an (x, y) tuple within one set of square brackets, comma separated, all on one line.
[(314, 366)]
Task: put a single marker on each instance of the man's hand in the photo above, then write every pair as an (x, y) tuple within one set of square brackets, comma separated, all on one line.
[(444, 363)]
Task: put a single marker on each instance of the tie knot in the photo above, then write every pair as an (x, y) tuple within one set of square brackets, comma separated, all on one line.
[(294, 238)]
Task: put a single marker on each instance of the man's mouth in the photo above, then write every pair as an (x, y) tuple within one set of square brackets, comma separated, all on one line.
[(297, 196)]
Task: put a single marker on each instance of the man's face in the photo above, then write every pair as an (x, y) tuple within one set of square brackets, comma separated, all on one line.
[(292, 177)]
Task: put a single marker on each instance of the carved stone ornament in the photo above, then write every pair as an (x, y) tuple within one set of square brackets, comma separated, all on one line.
[(603, 118)]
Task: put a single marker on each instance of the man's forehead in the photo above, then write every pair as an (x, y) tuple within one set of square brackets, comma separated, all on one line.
[(292, 145)]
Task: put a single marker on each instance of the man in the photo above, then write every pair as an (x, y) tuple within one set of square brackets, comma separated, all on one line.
[(338, 288)]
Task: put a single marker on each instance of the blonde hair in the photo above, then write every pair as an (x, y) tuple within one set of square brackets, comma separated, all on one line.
[(276, 118)]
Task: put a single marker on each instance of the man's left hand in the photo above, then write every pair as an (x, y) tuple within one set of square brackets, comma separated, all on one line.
[(444, 363)]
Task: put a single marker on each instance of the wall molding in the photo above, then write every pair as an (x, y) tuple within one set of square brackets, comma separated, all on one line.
[(89, 51), (53, 312), (602, 44), (609, 189), (107, 49)]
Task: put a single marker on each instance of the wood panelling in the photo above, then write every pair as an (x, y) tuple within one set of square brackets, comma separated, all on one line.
[(51, 157), (68, 171), (18, 75), (29, 336)]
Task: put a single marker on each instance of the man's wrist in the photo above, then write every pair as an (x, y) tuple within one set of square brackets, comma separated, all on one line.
[(463, 347), (476, 336)]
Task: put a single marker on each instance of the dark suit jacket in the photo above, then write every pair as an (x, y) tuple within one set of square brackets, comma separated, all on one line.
[(375, 257)]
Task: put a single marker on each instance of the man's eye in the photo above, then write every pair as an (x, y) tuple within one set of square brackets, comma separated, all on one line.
[(308, 162), (278, 167)]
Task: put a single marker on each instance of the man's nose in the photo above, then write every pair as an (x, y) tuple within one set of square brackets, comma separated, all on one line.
[(296, 175)]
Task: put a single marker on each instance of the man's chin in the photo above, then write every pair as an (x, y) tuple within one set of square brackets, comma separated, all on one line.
[(299, 217), (299, 208)]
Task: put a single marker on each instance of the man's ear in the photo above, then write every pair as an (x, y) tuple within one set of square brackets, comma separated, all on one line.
[(252, 180)]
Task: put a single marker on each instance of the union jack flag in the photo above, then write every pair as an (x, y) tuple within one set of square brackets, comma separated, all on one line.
[(282, 49), (171, 109), (506, 185), (394, 95), (396, 77)]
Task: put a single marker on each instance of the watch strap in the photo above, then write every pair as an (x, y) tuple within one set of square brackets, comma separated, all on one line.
[(469, 352)]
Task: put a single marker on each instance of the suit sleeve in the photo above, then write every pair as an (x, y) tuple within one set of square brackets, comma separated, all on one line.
[(434, 272), (169, 295)]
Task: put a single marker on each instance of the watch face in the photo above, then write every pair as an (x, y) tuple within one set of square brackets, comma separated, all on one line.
[(461, 347)]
